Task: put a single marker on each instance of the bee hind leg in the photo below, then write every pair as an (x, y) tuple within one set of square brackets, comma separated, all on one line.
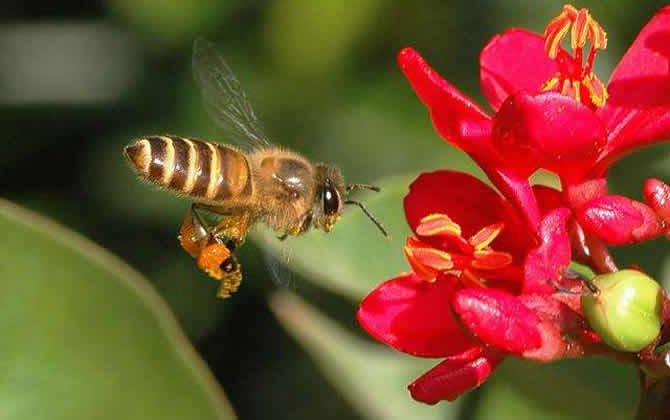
[(195, 230), (233, 229), (221, 264), (194, 233), (213, 254), (232, 277)]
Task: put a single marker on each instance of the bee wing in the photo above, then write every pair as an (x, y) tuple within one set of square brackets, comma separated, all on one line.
[(223, 97), (278, 266)]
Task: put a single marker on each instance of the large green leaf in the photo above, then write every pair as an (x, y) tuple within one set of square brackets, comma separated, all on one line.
[(373, 378), (594, 388), (85, 337)]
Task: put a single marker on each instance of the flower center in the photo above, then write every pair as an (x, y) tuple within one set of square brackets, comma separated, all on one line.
[(575, 77), (471, 259)]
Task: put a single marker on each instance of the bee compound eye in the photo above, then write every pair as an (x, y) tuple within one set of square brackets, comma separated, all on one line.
[(331, 201)]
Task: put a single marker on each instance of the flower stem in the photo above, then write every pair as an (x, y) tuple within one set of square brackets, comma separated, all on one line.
[(600, 257), (583, 271), (586, 274)]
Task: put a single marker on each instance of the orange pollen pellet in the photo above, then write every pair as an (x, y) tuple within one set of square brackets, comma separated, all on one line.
[(211, 258)]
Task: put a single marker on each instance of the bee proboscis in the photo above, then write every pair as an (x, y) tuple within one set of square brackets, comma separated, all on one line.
[(254, 182)]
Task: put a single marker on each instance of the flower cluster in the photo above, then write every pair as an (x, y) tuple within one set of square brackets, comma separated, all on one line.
[(490, 274)]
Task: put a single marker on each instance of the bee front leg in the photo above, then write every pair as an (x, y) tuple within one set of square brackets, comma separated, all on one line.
[(302, 227)]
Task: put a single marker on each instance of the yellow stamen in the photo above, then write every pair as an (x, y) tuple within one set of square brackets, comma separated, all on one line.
[(473, 279), (576, 87), (433, 258), (550, 84), (553, 42), (438, 224), (580, 29), (491, 260), (574, 78), (597, 91), (485, 236)]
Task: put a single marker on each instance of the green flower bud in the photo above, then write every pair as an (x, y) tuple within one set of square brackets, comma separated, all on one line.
[(626, 312)]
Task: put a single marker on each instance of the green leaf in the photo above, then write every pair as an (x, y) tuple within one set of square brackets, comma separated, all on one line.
[(372, 377), (354, 257), (582, 389), (85, 337)]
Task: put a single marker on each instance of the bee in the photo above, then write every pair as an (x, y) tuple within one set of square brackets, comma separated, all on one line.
[(243, 184)]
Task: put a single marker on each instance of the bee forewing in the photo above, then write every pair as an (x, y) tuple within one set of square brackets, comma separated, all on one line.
[(223, 97)]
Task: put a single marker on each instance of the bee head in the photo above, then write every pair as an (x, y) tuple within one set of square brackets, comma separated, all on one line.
[(329, 197), (332, 195)]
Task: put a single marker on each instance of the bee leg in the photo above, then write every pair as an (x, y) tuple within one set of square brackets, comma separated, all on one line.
[(194, 233), (232, 277), (306, 223), (302, 227), (212, 254), (220, 263), (218, 259), (234, 229), (212, 231)]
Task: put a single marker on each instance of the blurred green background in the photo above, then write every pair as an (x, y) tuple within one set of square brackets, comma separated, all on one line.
[(79, 80)]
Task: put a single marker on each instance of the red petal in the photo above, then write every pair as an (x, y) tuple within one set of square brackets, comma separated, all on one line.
[(637, 112), (413, 316), (498, 319), (559, 326), (657, 194), (548, 130), (463, 123), (514, 61), (456, 117), (453, 377), (550, 309), (547, 262), (619, 220), (468, 202), (548, 198), (579, 194)]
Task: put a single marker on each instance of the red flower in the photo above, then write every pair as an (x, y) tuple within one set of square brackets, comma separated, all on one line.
[(552, 112), (463, 300), (485, 265)]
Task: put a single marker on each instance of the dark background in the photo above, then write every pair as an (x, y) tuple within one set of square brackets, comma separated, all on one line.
[(79, 80)]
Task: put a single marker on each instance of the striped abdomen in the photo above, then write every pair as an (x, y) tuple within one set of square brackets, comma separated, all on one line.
[(203, 170)]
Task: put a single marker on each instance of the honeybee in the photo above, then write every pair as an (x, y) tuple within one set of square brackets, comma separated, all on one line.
[(253, 181)]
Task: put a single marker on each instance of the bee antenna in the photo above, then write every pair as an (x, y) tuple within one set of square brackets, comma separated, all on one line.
[(351, 187), (370, 216)]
